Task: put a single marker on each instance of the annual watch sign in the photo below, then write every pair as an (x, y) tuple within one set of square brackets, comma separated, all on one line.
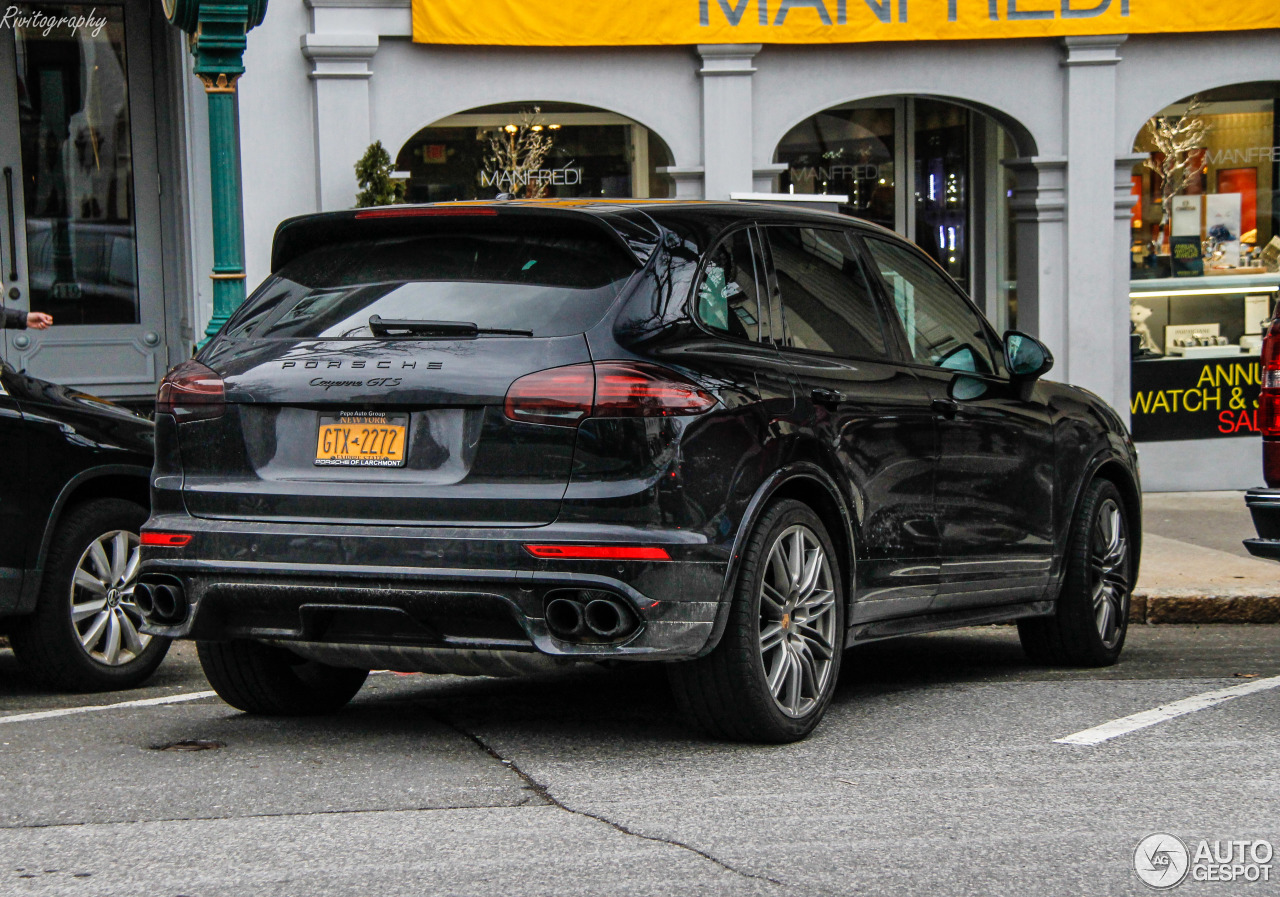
[(1199, 399)]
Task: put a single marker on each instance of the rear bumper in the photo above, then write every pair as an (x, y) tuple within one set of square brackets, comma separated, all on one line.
[(1264, 506), (428, 587)]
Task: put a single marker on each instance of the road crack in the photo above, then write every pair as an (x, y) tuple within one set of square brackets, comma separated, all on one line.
[(544, 792)]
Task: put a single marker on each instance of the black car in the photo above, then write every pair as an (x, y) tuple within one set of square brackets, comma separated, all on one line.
[(73, 498), (501, 437)]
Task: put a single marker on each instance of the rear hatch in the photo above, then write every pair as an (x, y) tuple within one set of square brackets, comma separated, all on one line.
[(364, 381)]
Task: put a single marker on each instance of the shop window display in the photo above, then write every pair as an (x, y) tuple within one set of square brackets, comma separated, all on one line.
[(1205, 262), (590, 153)]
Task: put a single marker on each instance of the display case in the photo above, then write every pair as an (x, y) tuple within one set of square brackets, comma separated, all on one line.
[(1195, 345)]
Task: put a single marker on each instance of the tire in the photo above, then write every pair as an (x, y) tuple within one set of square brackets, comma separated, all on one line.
[(89, 573), (1091, 620), (727, 693), (270, 681)]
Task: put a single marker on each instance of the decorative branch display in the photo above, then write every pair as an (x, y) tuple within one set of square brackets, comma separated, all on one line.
[(1177, 142), (373, 175), (516, 154)]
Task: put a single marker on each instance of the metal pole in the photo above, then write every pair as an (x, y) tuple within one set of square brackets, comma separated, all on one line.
[(218, 31), (228, 214)]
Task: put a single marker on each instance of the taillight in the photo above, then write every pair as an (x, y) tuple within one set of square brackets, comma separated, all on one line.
[(166, 540), (1269, 405), (191, 391), (600, 552), (633, 389), (565, 396), (560, 396)]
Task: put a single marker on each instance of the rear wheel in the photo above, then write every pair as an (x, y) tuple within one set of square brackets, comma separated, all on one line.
[(85, 632), (271, 681), (773, 673), (1089, 625)]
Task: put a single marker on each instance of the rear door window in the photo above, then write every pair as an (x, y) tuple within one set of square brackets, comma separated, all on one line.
[(827, 302), (729, 298), (543, 280)]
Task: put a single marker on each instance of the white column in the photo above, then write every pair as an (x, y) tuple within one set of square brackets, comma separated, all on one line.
[(1039, 210), (340, 75), (1123, 238), (1097, 336), (727, 118)]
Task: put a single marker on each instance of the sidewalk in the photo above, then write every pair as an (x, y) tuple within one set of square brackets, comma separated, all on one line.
[(1194, 567)]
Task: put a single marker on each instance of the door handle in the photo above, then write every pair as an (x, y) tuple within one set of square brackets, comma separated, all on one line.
[(946, 407), (824, 396), (13, 236)]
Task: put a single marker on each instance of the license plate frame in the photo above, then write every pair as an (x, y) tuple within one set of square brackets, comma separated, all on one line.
[(387, 433)]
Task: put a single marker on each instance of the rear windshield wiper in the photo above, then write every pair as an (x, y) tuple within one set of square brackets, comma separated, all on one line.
[(438, 329)]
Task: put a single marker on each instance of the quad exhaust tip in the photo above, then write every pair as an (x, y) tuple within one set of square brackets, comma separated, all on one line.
[(589, 616)]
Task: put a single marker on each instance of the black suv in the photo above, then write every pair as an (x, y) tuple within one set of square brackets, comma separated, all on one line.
[(72, 500), (501, 437)]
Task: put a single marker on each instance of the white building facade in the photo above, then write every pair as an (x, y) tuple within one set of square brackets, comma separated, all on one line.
[(1018, 163)]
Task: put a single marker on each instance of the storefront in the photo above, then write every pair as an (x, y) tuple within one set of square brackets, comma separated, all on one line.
[(1009, 140), (1205, 269)]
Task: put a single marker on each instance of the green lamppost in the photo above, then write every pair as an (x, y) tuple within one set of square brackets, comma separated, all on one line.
[(218, 35)]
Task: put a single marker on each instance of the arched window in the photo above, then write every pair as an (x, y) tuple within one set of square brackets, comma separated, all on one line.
[(928, 168), (1204, 254), (584, 152)]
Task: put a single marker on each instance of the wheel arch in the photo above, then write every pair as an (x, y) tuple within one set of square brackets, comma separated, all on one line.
[(125, 481), (1108, 467), (808, 483), (1112, 470)]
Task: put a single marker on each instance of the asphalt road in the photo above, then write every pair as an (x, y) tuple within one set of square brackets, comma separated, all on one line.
[(936, 772)]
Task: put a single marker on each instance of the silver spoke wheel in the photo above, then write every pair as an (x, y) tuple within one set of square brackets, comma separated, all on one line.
[(797, 621), (1109, 565), (103, 612)]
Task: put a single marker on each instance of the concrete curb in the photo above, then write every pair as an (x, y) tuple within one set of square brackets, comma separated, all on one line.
[(1203, 606)]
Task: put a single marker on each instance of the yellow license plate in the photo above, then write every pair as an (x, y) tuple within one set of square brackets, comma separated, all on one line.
[(358, 439)]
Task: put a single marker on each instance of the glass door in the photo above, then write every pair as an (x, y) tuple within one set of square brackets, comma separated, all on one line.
[(81, 210)]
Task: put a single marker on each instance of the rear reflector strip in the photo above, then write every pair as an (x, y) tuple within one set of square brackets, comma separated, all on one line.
[(434, 212), (166, 540), (600, 552)]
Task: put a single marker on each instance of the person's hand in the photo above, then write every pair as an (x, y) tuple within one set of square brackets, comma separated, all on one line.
[(38, 320)]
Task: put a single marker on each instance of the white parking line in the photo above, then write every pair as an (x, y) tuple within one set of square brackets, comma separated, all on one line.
[(1125, 725), (93, 708)]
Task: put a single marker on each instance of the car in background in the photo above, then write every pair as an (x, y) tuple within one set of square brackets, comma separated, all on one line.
[(502, 437), (1264, 503), (73, 497)]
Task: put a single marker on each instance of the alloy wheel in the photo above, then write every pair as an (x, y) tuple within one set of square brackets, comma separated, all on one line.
[(103, 612), (1109, 562), (797, 621)]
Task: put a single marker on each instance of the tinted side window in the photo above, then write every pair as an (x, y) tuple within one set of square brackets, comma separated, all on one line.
[(826, 300), (944, 331), (728, 298)]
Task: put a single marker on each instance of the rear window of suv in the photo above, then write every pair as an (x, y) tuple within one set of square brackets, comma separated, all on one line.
[(549, 283)]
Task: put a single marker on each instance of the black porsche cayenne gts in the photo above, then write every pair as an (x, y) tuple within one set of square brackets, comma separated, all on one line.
[(501, 437)]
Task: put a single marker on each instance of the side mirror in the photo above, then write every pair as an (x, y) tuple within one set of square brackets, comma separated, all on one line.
[(1026, 357)]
